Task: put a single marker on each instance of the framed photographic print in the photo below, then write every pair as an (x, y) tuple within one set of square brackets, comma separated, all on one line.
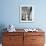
[(26, 13)]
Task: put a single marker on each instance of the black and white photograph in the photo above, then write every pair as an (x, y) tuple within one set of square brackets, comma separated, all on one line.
[(26, 13)]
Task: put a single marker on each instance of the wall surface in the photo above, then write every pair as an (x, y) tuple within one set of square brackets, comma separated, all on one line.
[(10, 13)]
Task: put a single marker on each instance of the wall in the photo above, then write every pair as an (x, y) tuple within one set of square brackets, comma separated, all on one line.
[(10, 13)]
